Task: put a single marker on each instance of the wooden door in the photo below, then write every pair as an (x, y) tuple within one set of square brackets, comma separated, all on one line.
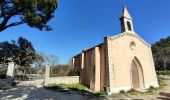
[(135, 76)]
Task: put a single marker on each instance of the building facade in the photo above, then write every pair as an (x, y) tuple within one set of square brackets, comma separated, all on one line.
[(121, 62)]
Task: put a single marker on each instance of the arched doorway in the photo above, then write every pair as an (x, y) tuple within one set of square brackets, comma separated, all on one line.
[(137, 74)]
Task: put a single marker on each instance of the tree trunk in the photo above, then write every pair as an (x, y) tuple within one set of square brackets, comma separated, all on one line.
[(165, 65)]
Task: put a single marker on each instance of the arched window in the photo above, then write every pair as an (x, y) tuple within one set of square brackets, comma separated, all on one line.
[(129, 26)]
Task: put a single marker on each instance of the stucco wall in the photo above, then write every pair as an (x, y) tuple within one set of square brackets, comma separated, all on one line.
[(89, 68), (109, 64), (97, 69), (92, 72), (122, 56), (77, 64), (102, 68)]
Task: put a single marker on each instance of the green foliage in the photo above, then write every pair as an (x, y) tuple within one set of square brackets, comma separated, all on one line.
[(36, 13), (163, 73), (20, 52), (161, 54), (26, 52)]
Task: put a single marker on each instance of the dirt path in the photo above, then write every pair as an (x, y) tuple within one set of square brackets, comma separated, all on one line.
[(34, 91), (164, 94)]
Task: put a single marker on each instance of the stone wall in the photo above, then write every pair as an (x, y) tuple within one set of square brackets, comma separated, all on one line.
[(62, 80), (59, 80)]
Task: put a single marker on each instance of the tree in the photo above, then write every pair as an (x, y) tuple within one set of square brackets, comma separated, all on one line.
[(165, 56), (8, 52), (26, 52), (35, 13), (52, 60), (20, 52), (161, 54), (40, 59)]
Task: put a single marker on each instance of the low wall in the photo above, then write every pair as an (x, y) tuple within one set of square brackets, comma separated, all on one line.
[(59, 80), (62, 80), (37, 82)]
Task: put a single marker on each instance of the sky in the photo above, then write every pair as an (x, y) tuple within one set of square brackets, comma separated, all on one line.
[(80, 24)]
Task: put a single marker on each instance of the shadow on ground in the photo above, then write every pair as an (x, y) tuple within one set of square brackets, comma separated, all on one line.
[(32, 93), (84, 93), (164, 96)]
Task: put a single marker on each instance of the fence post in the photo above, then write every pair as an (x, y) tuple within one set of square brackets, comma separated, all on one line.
[(47, 74), (10, 73)]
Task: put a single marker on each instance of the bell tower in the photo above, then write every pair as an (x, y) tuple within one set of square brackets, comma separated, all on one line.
[(126, 22)]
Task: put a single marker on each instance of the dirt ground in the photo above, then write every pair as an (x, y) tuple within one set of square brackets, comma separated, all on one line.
[(35, 91)]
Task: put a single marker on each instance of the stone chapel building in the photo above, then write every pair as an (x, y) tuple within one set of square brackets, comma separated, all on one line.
[(121, 62)]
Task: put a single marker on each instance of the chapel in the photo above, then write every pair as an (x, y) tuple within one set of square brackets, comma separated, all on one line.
[(121, 62)]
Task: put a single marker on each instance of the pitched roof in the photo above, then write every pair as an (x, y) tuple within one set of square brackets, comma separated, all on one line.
[(130, 34), (125, 13)]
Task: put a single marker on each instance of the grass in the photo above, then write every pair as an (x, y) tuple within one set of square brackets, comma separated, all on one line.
[(151, 91), (75, 88), (82, 90), (161, 82), (67, 86), (163, 73)]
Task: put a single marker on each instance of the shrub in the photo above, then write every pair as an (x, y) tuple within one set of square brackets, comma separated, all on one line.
[(130, 91), (99, 94), (151, 87), (122, 91)]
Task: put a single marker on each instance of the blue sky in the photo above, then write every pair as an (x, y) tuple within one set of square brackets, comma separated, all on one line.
[(80, 24)]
